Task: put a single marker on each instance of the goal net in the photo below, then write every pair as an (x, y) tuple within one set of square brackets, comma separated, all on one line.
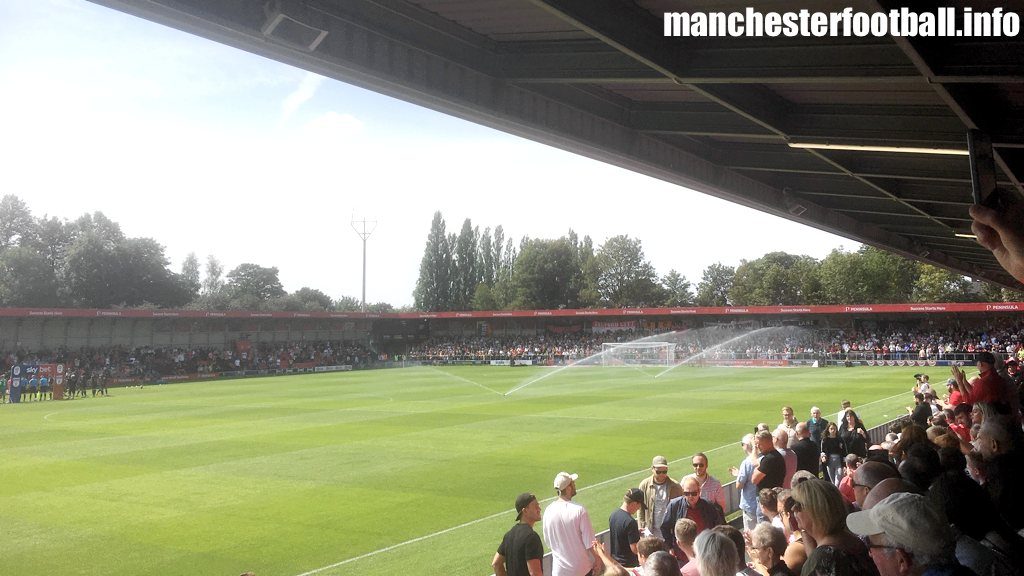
[(638, 353)]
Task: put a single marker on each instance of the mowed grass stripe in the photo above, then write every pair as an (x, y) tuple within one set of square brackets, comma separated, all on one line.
[(285, 475)]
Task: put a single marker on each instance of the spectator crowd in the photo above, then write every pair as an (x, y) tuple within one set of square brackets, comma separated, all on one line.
[(937, 496)]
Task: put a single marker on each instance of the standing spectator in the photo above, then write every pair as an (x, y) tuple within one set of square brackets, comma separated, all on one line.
[(568, 531), (690, 505), (987, 387), (623, 533), (710, 488), (808, 453), (854, 437), (659, 489), (841, 415), (788, 424), (816, 425), (744, 483), (781, 440), (771, 470), (920, 412), (521, 551)]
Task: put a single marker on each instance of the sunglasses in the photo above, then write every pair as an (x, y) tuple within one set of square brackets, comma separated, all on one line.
[(691, 493), (665, 471)]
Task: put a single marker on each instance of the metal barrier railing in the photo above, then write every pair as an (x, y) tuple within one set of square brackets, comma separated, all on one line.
[(732, 494)]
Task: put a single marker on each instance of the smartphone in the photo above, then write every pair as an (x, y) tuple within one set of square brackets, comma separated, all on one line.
[(983, 170)]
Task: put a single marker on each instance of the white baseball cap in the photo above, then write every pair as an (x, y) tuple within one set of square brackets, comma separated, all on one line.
[(563, 479)]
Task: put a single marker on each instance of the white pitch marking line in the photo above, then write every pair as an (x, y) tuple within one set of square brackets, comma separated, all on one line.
[(466, 380), (492, 516), (484, 519)]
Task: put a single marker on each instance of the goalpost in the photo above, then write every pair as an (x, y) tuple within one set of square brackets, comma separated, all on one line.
[(638, 354)]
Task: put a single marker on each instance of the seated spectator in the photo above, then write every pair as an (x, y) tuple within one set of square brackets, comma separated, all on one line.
[(767, 545), (821, 513), (985, 543), (795, 554), (661, 563), (647, 546), (907, 535), (716, 554), (1000, 447), (852, 462), (737, 539), (767, 498), (867, 477), (921, 466)]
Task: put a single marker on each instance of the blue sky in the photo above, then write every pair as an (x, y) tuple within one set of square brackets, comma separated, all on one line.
[(212, 150)]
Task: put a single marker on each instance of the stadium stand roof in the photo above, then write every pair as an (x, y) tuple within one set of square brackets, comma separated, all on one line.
[(717, 115)]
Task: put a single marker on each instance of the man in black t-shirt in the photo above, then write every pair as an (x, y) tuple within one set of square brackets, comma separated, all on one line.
[(521, 550), (771, 471), (623, 531)]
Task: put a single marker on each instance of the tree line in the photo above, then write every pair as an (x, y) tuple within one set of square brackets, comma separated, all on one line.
[(90, 263), (475, 270)]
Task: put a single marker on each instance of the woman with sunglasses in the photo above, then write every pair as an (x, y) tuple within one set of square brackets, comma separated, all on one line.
[(832, 550)]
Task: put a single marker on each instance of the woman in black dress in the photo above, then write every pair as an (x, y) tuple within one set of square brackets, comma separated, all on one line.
[(832, 453)]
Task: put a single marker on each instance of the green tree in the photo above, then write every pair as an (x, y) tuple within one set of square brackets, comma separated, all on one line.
[(26, 278), (313, 299), (867, 276), (485, 257), (715, 284), (677, 290), (434, 286), (251, 285), (190, 275), (143, 277), (17, 226), (777, 278), (483, 298), (212, 282), (348, 304), (935, 284), (465, 269), (625, 277), (544, 274)]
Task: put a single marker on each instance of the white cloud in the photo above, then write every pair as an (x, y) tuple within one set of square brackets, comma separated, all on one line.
[(303, 93)]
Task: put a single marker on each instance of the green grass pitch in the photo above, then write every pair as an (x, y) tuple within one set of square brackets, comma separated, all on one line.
[(387, 472)]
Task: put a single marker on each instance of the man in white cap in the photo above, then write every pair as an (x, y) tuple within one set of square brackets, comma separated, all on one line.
[(908, 536), (568, 531)]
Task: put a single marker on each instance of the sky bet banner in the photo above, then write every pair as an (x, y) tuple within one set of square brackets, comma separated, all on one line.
[(22, 374)]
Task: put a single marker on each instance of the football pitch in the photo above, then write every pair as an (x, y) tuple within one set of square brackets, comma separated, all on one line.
[(385, 472)]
